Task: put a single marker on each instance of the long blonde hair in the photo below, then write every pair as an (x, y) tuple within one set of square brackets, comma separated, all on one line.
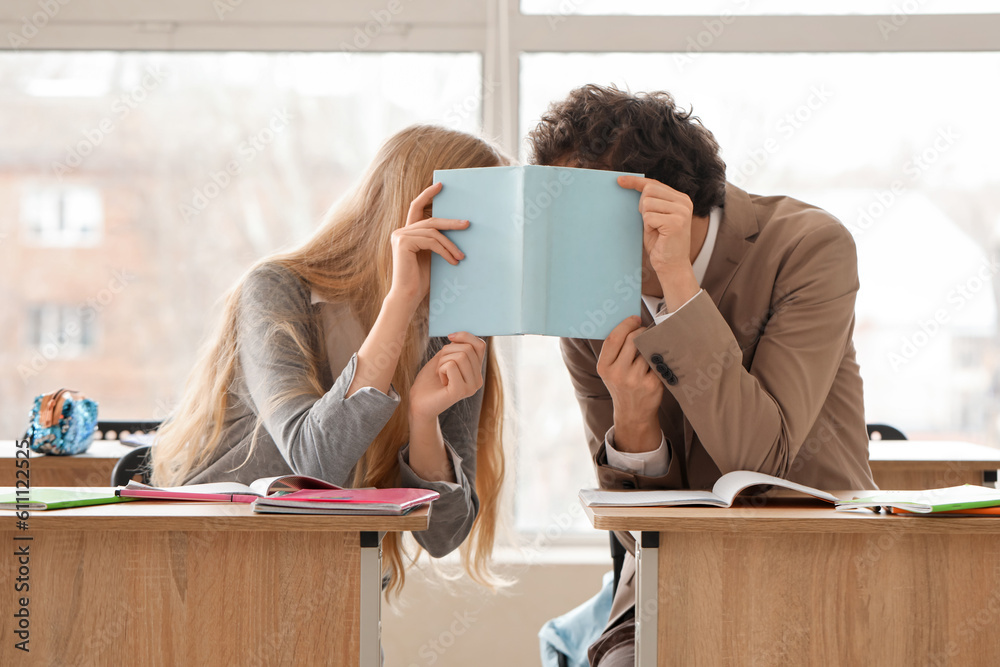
[(349, 259)]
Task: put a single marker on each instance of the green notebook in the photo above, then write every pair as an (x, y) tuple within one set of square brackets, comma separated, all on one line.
[(54, 499), (967, 496)]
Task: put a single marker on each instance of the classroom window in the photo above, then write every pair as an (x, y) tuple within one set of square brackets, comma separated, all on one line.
[(60, 331), (753, 7), (62, 216), (206, 162), (893, 145), (155, 132)]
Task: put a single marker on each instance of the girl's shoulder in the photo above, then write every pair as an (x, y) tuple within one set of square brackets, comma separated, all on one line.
[(271, 285)]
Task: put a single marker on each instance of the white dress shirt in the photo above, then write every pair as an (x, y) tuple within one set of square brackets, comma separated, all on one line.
[(657, 462)]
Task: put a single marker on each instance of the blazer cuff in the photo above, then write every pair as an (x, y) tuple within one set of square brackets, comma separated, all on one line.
[(653, 463), (691, 350), (663, 314), (609, 477)]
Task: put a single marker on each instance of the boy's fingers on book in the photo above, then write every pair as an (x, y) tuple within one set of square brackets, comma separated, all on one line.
[(616, 339), (629, 350), (637, 183), (660, 204)]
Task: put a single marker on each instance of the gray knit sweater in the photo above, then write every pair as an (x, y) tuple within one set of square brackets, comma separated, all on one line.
[(325, 436)]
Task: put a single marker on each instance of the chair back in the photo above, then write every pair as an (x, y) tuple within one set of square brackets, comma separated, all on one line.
[(136, 462), (884, 432), (112, 429)]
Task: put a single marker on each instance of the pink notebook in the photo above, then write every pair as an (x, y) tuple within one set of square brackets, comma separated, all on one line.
[(348, 501)]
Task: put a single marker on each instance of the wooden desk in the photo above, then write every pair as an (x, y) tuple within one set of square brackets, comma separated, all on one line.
[(92, 468), (931, 464), (801, 584), (196, 584)]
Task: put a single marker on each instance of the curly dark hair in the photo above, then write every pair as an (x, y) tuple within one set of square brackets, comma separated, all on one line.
[(601, 127)]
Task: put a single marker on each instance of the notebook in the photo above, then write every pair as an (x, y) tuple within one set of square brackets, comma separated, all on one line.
[(554, 251), (41, 498), (723, 493), (930, 501), (225, 491), (347, 501)]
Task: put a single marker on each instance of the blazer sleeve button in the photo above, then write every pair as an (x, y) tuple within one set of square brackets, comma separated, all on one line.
[(662, 369), (671, 377), (656, 359)]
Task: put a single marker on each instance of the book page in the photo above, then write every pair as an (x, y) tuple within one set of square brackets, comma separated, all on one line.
[(594, 250), (665, 498), (214, 487), (482, 294), (541, 189), (731, 484), (266, 486), (930, 500)]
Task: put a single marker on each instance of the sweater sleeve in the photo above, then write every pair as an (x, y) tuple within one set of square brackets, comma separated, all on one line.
[(453, 513), (318, 434)]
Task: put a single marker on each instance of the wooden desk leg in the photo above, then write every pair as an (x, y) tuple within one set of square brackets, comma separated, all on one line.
[(647, 565), (371, 598)]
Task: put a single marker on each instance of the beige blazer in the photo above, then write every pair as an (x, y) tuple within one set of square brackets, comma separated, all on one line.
[(759, 368)]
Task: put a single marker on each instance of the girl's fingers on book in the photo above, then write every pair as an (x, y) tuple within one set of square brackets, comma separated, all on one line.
[(433, 240), (442, 223), (436, 233), (451, 376), (467, 360), (423, 200), (465, 337)]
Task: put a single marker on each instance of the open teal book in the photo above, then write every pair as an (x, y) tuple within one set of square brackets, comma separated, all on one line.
[(41, 498), (554, 251)]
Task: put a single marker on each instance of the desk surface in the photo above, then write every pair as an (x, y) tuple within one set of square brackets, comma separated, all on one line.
[(161, 515), (99, 449), (151, 582), (933, 451), (780, 516)]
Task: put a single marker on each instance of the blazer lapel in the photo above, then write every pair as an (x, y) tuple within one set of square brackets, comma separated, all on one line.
[(737, 230), (647, 317), (736, 233)]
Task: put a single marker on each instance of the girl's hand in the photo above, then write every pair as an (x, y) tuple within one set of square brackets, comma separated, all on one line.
[(412, 246), (452, 374)]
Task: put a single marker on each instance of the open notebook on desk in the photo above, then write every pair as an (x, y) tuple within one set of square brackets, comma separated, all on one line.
[(723, 493), (226, 491)]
